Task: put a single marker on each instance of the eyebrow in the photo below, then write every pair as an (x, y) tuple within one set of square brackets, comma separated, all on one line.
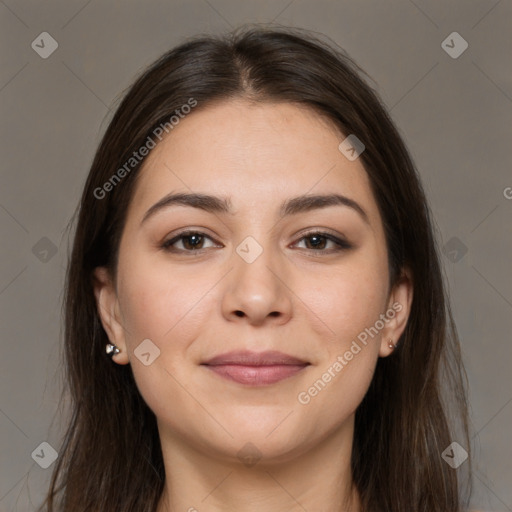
[(291, 206)]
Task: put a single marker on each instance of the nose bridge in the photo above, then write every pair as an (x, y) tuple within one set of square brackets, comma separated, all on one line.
[(257, 282), (255, 264)]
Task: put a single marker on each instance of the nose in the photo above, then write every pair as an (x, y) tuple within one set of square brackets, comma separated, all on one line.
[(258, 292)]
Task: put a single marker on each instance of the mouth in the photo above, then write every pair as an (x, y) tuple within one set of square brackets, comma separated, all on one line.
[(255, 369)]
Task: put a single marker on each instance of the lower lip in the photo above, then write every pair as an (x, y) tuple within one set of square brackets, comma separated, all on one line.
[(256, 375)]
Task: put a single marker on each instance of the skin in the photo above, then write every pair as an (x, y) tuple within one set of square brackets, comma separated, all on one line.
[(304, 301)]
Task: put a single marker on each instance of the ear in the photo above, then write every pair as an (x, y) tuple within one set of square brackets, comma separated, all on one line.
[(108, 311), (399, 308)]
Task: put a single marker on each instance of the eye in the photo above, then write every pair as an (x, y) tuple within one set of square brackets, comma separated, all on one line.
[(318, 240), (194, 241), (190, 241)]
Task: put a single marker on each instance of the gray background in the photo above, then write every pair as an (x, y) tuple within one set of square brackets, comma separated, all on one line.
[(454, 114)]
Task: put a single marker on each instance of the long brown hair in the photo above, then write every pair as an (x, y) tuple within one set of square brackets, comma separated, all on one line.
[(111, 459)]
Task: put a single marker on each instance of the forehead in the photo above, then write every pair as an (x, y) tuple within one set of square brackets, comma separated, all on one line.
[(255, 154)]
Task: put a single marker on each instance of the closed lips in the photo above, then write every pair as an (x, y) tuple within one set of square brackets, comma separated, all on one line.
[(247, 358), (255, 369)]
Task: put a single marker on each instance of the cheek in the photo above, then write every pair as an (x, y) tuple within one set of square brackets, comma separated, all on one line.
[(170, 309), (347, 299), (160, 303), (352, 301), (336, 391), (358, 298)]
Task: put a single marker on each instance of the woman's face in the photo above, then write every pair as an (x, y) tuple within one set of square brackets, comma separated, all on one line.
[(261, 271)]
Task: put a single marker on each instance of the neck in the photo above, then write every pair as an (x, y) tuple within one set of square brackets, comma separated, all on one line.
[(319, 478)]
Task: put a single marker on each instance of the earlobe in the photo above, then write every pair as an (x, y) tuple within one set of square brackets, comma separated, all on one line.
[(107, 308), (399, 307)]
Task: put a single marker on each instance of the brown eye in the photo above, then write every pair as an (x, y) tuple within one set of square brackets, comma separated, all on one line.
[(193, 241), (190, 241), (318, 242)]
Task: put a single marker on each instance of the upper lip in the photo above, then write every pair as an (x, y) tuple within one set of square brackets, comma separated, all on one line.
[(248, 358)]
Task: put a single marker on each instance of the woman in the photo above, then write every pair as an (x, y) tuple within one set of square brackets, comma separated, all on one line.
[(255, 311)]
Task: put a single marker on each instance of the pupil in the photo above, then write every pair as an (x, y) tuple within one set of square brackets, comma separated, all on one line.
[(319, 240), (191, 237)]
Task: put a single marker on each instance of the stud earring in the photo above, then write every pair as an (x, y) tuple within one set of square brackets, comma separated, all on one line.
[(391, 345), (111, 349)]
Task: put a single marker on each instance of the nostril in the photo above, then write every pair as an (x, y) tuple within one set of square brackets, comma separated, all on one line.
[(239, 313)]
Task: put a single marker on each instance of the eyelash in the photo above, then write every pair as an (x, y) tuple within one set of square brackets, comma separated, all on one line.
[(342, 245)]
